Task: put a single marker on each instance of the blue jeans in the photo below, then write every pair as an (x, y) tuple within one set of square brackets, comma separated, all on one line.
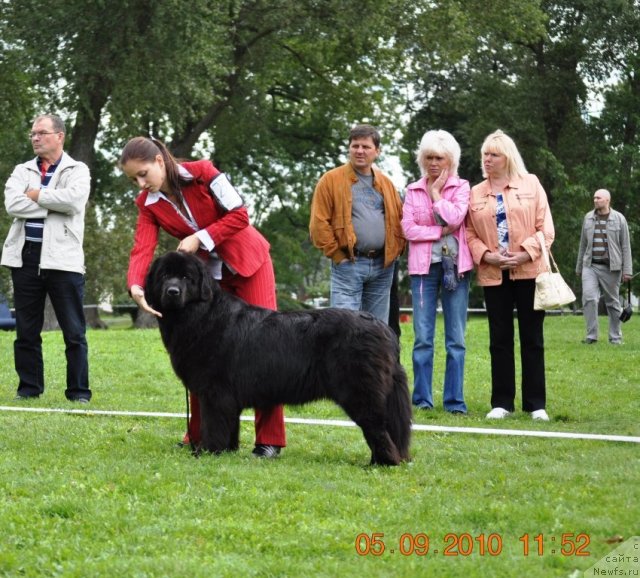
[(362, 285), (424, 295), (66, 291)]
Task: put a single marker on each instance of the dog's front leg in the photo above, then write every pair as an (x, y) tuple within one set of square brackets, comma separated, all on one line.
[(220, 424)]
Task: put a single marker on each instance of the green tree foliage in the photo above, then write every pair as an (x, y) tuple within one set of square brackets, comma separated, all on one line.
[(268, 89), (265, 87), (615, 132), (533, 69), (16, 111), (303, 269)]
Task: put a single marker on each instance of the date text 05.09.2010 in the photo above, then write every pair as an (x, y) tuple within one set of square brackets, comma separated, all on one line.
[(465, 544)]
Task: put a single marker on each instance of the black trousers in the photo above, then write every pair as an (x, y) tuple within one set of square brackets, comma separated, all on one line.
[(394, 303), (66, 291), (500, 302)]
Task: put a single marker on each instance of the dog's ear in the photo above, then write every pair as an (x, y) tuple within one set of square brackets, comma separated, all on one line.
[(150, 283), (206, 282)]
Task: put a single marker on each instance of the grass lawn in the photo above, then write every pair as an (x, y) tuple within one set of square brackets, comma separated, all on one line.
[(100, 495)]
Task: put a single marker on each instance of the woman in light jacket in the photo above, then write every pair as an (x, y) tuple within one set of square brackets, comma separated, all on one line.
[(439, 265), (505, 212)]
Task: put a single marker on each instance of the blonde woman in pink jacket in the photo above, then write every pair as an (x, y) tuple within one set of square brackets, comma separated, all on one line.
[(506, 210), (439, 265)]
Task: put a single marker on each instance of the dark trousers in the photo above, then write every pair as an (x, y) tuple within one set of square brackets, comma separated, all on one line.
[(500, 301), (394, 303), (66, 291)]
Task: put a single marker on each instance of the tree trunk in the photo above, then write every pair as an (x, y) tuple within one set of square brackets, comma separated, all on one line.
[(145, 320), (85, 130), (92, 317)]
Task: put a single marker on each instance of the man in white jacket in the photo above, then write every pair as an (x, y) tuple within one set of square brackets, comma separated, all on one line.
[(46, 197)]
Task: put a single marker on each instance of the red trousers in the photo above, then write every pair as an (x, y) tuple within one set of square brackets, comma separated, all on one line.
[(259, 289)]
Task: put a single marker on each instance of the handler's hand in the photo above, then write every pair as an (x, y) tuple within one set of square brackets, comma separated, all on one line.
[(189, 244), (137, 294)]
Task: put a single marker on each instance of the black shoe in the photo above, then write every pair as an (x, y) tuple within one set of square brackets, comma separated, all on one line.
[(423, 407), (21, 397), (79, 399), (589, 341), (266, 451)]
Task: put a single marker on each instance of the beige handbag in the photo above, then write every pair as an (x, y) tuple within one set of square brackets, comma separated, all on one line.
[(551, 289)]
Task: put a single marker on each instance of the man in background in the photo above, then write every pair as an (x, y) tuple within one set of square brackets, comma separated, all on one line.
[(604, 260), (46, 197), (355, 220)]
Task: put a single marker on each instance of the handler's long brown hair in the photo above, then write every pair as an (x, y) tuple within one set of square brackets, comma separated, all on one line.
[(146, 149)]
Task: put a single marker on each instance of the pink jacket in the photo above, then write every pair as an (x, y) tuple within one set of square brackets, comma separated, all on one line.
[(527, 211), (420, 227)]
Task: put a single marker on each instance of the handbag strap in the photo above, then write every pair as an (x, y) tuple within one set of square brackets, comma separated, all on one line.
[(545, 254), (553, 261)]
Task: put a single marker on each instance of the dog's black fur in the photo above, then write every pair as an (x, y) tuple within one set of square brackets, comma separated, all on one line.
[(234, 356)]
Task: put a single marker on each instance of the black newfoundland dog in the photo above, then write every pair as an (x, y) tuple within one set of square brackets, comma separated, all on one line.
[(235, 356)]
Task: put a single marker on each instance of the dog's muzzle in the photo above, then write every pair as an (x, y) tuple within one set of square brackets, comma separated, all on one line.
[(173, 295)]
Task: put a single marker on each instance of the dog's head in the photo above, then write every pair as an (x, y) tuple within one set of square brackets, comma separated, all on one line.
[(177, 279)]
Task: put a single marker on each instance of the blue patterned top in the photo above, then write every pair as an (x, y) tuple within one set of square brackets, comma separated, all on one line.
[(501, 221)]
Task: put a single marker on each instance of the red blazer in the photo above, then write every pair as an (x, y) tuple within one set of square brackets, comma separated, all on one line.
[(237, 243)]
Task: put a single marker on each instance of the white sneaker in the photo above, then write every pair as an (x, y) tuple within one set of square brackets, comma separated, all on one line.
[(540, 414), (498, 413)]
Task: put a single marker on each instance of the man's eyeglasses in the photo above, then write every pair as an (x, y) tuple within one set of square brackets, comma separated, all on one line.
[(40, 133)]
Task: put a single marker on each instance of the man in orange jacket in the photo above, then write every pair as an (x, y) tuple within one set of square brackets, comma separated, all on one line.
[(355, 220)]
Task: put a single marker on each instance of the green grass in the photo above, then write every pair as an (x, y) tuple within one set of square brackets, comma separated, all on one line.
[(93, 495)]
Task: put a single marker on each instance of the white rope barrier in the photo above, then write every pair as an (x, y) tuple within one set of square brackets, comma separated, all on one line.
[(347, 423)]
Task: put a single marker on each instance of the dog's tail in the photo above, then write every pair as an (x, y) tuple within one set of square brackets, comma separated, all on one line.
[(399, 413)]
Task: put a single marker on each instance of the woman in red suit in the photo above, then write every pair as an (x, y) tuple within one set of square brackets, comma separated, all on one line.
[(195, 203)]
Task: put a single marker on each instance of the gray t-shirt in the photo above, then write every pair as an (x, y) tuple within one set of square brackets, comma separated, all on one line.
[(452, 247), (367, 214)]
